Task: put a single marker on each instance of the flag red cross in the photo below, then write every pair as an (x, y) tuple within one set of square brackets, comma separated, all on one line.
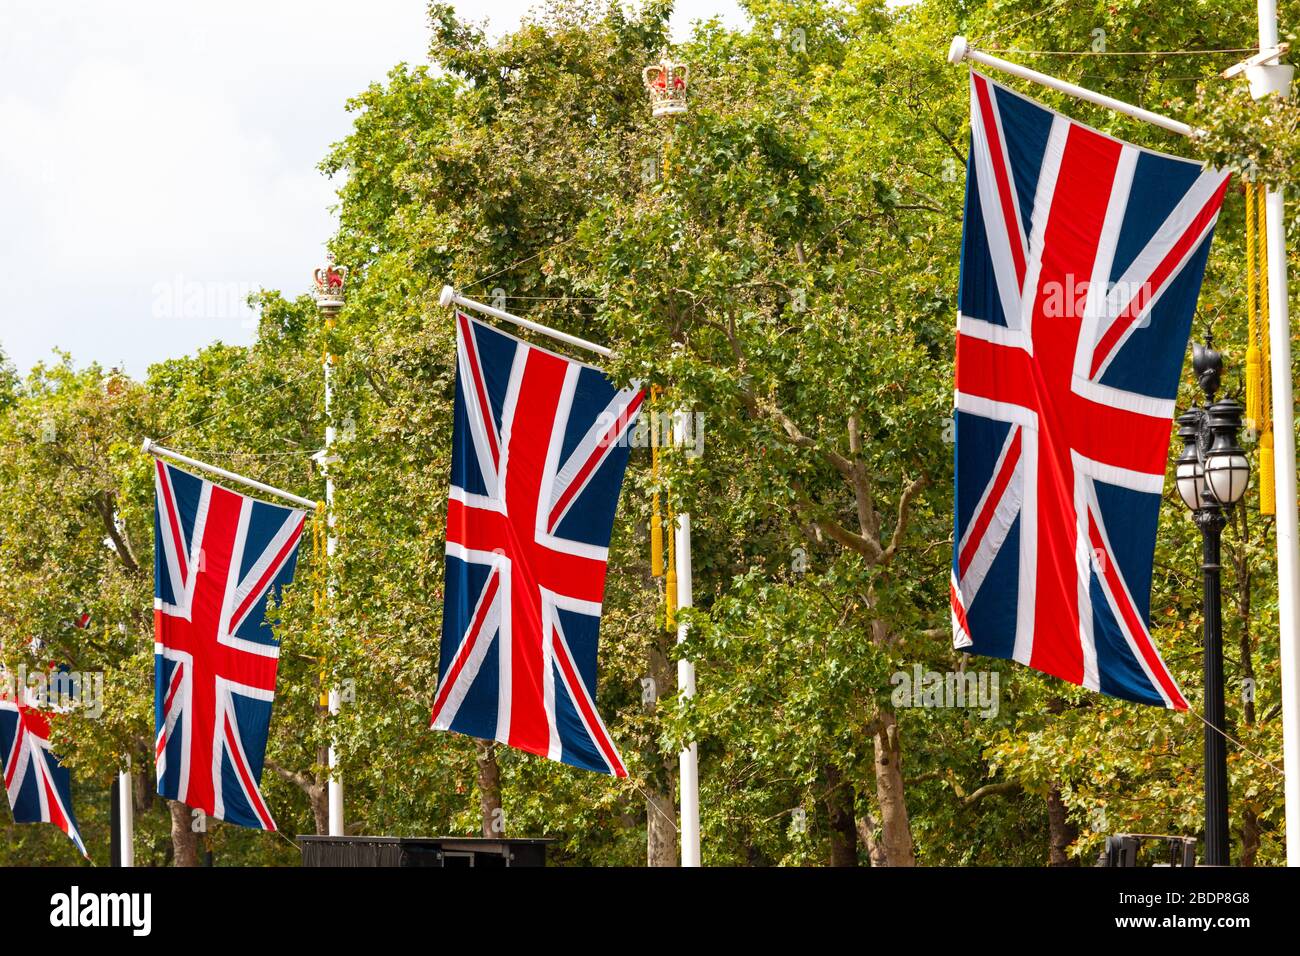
[(1041, 373), (533, 570), (200, 636)]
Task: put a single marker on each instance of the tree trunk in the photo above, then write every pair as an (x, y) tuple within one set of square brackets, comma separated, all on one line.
[(1249, 837), (140, 787), (867, 826), (185, 842), (489, 790), (839, 813), (896, 830), (1061, 832), (661, 837), (318, 794), (314, 786), (660, 829)]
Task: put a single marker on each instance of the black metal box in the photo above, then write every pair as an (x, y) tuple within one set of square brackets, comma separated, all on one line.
[(420, 851)]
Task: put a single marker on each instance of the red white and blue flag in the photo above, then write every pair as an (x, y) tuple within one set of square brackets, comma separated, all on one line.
[(218, 555), (39, 787), (1082, 260), (538, 456)]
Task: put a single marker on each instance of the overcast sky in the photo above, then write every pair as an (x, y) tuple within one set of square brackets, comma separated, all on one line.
[(158, 159)]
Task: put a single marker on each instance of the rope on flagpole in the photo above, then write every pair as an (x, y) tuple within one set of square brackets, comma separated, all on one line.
[(650, 803), (1037, 14), (1237, 743), (516, 265), (1019, 52)]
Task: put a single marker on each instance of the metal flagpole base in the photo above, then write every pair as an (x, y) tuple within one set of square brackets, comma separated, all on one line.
[(126, 819)]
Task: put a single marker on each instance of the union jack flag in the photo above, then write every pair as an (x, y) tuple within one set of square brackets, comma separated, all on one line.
[(537, 462), (1082, 259), (39, 787), (217, 557)]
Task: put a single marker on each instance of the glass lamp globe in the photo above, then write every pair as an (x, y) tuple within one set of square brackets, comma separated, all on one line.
[(1227, 472), (1191, 483), (1188, 473)]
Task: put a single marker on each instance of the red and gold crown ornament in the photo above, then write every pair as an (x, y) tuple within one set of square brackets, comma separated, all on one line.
[(328, 282), (666, 82)]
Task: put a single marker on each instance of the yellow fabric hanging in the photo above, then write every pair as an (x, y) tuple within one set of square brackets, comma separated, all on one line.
[(318, 592), (670, 569), (1254, 381), (670, 576), (1267, 493), (319, 532), (661, 565), (656, 517)]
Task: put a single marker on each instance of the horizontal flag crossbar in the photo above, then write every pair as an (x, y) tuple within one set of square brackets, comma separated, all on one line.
[(150, 447), (962, 50), (450, 297)]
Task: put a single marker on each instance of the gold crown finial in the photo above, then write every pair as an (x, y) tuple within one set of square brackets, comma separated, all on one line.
[(666, 82), (327, 285)]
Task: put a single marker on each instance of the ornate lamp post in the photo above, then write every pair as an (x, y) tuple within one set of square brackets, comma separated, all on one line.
[(1212, 473)]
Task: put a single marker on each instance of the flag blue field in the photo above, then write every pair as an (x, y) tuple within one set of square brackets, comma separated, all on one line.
[(539, 453), (217, 557), (1082, 260)]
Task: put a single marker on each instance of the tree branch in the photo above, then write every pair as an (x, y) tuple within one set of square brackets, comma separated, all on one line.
[(1008, 789), (296, 777), (103, 502), (904, 511), (864, 545), (795, 435)]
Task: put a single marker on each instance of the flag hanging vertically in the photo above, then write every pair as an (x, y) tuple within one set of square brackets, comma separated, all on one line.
[(39, 787), (538, 457), (217, 556), (1082, 259)]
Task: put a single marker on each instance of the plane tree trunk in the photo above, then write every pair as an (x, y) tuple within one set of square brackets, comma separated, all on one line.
[(185, 842)]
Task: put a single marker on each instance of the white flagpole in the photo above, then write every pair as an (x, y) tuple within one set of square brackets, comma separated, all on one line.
[(150, 447), (666, 83), (1266, 80), (962, 50), (450, 296), (688, 759), (126, 817), (329, 282), (331, 545)]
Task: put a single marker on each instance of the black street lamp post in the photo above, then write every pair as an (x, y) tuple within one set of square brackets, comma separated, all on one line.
[(1212, 474)]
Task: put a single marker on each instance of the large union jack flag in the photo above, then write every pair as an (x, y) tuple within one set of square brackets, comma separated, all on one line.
[(217, 557), (1082, 259), (39, 787), (538, 457)]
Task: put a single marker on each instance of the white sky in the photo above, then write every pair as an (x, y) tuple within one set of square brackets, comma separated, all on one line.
[(158, 159)]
